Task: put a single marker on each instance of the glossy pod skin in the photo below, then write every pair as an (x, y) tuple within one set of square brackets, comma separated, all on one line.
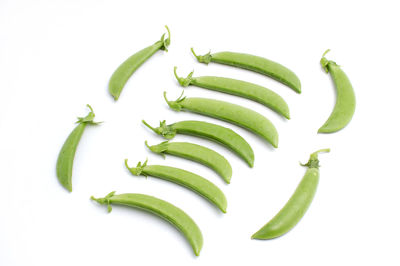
[(219, 134), (239, 88), (254, 63), (161, 208), (196, 153), (297, 205), (184, 178), (66, 156), (232, 113), (345, 99), (130, 65)]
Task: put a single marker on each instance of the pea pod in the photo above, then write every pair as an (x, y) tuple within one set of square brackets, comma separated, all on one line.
[(130, 65), (254, 63), (345, 100), (196, 153), (239, 88), (184, 178), (229, 112), (161, 208), (219, 134), (297, 205), (66, 156)]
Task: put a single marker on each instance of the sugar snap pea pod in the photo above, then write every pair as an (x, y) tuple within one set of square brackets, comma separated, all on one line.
[(161, 208), (229, 112), (297, 205), (239, 88), (184, 178), (254, 63), (66, 156), (219, 134), (196, 153), (130, 65), (345, 98)]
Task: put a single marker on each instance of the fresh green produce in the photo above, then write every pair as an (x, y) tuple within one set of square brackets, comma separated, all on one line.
[(345, 99), (239, 88), (253, 63), (222, 135), (130, 65), (161, 208), (184, 178), (66, 156), (297, 205), (229, 112), (196, 153)]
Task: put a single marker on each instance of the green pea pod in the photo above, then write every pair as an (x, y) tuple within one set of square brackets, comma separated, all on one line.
[(254, 63), (229, 112), (196, 153), (221, 135), (161, 208), (345, 99), (240, 88), (297, 205), (66, 156), (184, 178), (130, 65)]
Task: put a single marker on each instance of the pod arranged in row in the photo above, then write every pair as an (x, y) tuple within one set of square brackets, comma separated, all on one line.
[(254, 63), (297, 205), (66, 156), (345, 100), (177, 217), (130, 65), (229, 112), (184, 178), (219, 134), (239, 88), (196, 153)]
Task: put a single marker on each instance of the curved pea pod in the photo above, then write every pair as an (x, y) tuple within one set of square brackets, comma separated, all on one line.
[(239, 88), (66, 156), (254, 63), (196, 153), (187, 179), (345, 98), (232, 113), (130, 65), (219, 134), (297, 205), (163, 209)]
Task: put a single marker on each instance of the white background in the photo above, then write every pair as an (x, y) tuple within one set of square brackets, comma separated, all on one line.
[(57, 56)]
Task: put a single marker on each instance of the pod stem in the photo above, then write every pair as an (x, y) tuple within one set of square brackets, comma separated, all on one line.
[(313, 162), (152, 128), (88, 119), (138, 170), (175, 105), (184, 82), (105, 200), (202, 58), (164, 130), (165, 42), (159, 148)]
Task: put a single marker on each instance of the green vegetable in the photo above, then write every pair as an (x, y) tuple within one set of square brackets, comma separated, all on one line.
[(196, 153), (161, 208), (184, 178), (221, 135), (66, 156), (229, 112), (254, 63), (239, 88), (297, 205), (130, 65), (345, 100)]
